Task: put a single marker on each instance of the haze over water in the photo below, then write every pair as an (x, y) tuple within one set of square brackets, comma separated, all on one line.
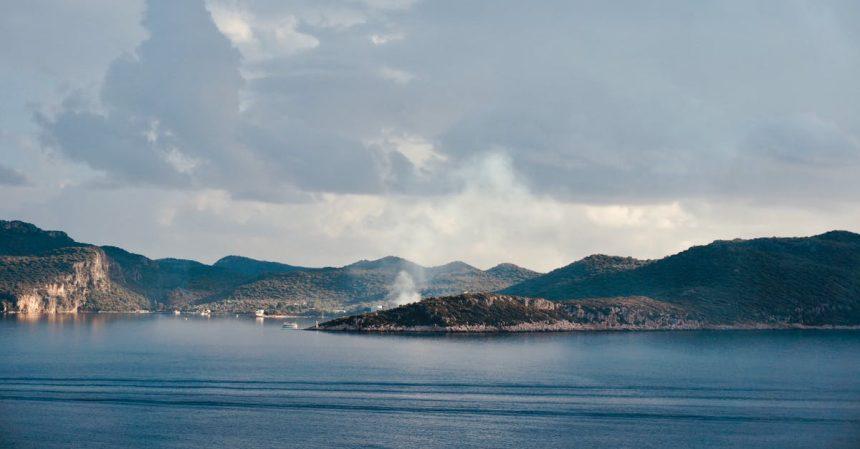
[(159, 381)]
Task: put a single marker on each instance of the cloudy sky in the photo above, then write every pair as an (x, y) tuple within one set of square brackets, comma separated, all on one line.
[(320, 132)]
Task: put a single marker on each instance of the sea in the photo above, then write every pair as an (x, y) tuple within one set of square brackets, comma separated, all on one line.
[(165, 381)]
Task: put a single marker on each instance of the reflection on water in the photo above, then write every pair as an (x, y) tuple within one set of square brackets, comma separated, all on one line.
[(155, 380)]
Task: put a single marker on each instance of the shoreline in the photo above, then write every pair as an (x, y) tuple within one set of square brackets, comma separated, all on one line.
[(149, 312), (520, 329)]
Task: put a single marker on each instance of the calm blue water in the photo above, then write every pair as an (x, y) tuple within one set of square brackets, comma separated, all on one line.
[(163, 381)]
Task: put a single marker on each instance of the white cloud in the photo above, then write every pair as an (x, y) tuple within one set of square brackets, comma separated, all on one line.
[(396, 75), (494, 218), (261, 38), (180, 161), (288, 38), (418, 150), (660, 216), (234, 23), (389, 4), (380, 39)]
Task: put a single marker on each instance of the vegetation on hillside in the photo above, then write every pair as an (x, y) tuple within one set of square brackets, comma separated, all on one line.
[(811, 280), (253, 267), (561, 278), (365, 283), (482, 312), (18, 238), (233, 284), (57, 274)]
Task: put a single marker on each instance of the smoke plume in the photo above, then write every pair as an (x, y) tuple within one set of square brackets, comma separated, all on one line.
[(403, 290)]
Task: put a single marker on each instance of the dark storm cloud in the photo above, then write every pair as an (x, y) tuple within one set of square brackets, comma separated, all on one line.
[(644, 102), (174, 101), (602, 102), (171, 116), (11, 177), (591, 101), (804, 141), (535, 132)]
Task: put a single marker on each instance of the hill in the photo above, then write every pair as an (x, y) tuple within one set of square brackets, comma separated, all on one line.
[(805, 280), (48, 271), (362, 284), (18, 238), (560, 279), (170, 283), (765, 281), (253, 267), (512, 274)]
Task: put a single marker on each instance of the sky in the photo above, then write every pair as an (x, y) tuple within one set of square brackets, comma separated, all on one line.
[(318, 132)]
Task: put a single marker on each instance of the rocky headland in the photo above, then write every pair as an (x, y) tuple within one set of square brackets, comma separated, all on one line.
[(487, 312)]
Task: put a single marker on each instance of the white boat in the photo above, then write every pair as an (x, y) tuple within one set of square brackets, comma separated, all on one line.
[(206, 312), (260, 313), (176, 312), (291, 326)]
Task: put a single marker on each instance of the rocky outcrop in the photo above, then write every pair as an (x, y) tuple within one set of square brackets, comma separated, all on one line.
[(636, 312)]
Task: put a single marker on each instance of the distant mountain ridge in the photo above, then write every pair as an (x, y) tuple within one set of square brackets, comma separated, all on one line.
[(808, 280), (758, 282), (48, 271), (365, 282), (254, 267), (18, 238), (556, 280)]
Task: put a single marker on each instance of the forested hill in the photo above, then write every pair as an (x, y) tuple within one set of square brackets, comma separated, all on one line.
[(812, 280), (803, 280), (47, 271)]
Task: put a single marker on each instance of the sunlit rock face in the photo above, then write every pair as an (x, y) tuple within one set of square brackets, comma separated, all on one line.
[(64, 283), (48, 272)]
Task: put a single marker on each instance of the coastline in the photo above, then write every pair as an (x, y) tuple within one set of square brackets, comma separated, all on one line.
[(571, 328), (150, 312)]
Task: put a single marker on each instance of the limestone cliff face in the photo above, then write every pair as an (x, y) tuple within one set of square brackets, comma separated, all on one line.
[(59, 282)]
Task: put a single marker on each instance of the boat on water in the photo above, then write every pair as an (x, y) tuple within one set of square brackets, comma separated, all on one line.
[(260, 313), (290, 326), (205, 312), (176, 312)]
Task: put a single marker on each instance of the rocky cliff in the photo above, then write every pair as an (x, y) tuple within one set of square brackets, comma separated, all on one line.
[(63, 280)]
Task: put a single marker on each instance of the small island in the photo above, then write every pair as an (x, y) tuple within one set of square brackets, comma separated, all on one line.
[(488, 312)]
